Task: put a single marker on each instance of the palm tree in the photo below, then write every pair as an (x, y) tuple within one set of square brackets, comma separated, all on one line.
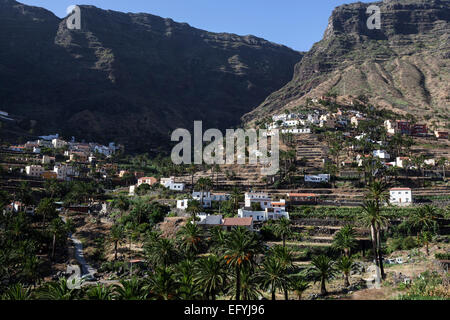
[(190, 236), (46, 209), (162, 285), (194, 208), (284, 255), (426, 238), (373, 217), (240, 247), (235, 197), (161, 252), (192, 170), (322, 270), (249, 285), (378, 191), (210, 275), (116, 236), (57, 229), (99, 292), (345, 239), (423, 218), (130, 290), (299, 285), (273, 276), (442, 162), (217, 239), (17, 292), (346, 265), (188, 289), (218, 170), (283, 229), (286, 258), (57, 291)]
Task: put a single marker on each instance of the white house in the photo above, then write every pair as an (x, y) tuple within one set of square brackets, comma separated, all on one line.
[(390, 126), (261, 216), (257, 197), (44, 143), (317, 178), (210, 220), (182, 204), (175, 186), (34, 170), (132, 191), (171, 184), (401, 162), (401, 196), (220, 196), (58, 143), (63, 172), (382, 154)]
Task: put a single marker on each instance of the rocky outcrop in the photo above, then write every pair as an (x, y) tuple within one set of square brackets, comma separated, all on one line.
[(403, 66)]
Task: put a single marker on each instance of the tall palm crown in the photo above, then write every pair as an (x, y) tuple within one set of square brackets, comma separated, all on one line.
[(378, 191), (424, 218), (346, 265), (283, 229), (273, 275), (211, 276), (322, 270), (161, 252), (162, 285), (190, 236), (241, 246), (132, 289), (345, 239), (194, 208)]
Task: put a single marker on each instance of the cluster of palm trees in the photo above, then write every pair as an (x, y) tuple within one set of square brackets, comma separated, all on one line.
[(211, 265)]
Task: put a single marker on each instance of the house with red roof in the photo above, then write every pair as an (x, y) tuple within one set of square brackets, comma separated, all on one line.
[(230, 223)]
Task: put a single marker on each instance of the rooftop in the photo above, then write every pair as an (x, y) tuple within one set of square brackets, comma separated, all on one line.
[(231, 222)]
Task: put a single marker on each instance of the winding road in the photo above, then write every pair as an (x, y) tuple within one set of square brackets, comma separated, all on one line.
[(87, 271)]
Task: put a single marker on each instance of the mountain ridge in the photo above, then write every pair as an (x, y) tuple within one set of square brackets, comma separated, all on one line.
[(404, 66), (131, 77)]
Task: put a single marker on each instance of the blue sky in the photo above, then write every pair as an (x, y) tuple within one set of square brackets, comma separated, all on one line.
[(295, 23)]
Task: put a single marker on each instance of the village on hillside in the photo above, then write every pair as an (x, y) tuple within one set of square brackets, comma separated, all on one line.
[(358, 187)]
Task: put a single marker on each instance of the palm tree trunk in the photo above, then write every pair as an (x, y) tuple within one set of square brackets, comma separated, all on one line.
[(346, 281), (323, 289), (273, 293), (53, 246), (286, 294), (374, 244), (238, 283), (427, 248), (115, 251), (380, 254)]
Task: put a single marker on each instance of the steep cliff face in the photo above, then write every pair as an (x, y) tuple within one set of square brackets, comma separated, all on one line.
[(403, 66), (131, 78)]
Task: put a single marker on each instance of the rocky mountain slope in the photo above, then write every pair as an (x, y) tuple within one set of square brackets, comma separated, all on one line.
[(404, 66), (131, 78)]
